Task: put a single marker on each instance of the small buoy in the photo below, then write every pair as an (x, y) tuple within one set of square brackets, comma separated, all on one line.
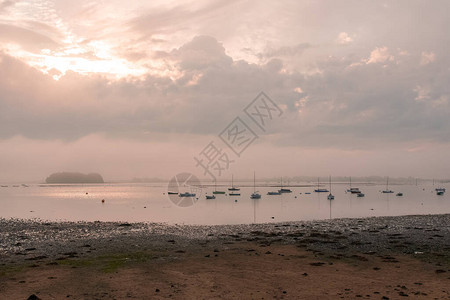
[(235, 200), (273, 217), (103, 200), (86, 193)]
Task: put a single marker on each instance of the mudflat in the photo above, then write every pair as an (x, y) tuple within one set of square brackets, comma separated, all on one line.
[(373, 258)]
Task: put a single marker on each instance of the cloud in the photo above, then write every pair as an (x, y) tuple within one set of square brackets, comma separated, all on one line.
[(201, 53), (28, 39), (286, 51), (341, 106), (380, 55), (344, 39), (5, 4), (427, 58)]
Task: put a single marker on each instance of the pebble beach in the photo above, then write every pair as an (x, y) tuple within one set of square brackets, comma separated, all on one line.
[(182, 261)]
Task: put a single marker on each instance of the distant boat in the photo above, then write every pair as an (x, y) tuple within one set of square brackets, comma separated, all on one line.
[(330, 196), (187, 194), (232, 188), (440, 193), (4, 186), (440, 190), (210, 197), (216, 191), (399, 194), (319, 190), (234, 194), (283, 190), (387, 190), (360, 195), (172, 193), (307, 193), (274, 193), (353, 190), (255, 194)]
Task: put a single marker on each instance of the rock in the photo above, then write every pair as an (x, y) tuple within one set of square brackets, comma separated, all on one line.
[(317, 264)]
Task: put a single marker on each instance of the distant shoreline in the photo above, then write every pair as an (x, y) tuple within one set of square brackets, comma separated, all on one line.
[(74, 177)]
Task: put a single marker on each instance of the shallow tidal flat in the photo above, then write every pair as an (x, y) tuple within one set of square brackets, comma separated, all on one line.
[(373, 258)]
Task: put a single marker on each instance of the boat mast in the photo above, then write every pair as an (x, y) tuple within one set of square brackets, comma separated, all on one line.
[(330, 184)]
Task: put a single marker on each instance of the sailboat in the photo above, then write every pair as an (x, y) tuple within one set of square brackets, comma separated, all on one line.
[(255, 194), (387, 190), (319, 190), (232, 188), (216, 191), (353, 190), (330, 196), (283, 190)]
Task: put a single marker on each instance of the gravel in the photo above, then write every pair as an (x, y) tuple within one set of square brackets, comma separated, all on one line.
[(427, 236)]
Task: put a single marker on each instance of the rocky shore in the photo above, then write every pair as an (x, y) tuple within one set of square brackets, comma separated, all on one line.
[(99, 249)]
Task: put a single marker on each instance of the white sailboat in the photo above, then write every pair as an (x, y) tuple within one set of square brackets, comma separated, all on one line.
[(233, 188), (330, 196), (255, 194), (387, 190)]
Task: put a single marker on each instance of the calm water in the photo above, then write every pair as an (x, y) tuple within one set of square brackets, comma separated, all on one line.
[(150, 203)]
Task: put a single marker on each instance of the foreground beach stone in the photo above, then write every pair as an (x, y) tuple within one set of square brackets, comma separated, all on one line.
[(369, 258)]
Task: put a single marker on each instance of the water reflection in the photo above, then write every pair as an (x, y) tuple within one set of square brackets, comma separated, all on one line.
[(150, 203)]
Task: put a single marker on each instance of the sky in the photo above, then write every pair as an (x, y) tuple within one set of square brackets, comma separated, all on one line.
[(142, 88)]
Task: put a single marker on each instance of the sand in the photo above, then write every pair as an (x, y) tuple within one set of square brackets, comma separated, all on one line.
[(374, 258)]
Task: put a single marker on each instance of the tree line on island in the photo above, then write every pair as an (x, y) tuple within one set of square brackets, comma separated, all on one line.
[(74, 177)]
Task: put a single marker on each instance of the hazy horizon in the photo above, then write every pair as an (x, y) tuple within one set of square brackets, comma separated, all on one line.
[(135, 89)]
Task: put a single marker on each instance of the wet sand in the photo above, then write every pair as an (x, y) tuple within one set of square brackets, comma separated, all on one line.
[(374, 258)]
